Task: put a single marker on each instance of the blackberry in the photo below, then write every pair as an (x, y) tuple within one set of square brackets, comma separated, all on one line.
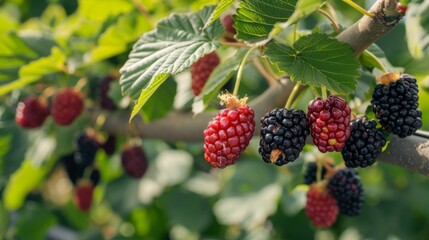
[(329, 123), (109, 146), (229, 133), (346, 187), (74, 171), (310, 175), (134, 161), (364, 144), (105, 101), (283, 134), (396, 106), (86, 148), (95, 177)]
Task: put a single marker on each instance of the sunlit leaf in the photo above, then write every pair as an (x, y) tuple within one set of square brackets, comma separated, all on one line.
[(317, 60)]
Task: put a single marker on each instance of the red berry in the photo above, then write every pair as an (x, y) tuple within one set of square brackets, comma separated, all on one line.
[(228, 23), (83, 195), (105, 101), (329, 123), (321, 207), (229, 133), (134, 161), (401, 8), (31, 112), (201, 70), (66, 106)]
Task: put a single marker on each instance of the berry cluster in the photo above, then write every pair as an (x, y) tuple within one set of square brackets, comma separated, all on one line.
[(81, 171), (341, 192), (66, 106)]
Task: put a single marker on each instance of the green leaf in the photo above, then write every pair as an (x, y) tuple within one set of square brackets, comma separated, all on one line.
[(161, 102), (100, 10), (116, 38), (35, 70), (39, 161), (221, 7), (218, 78), (303, 9), (255, 19), (34, 222), (417, 26), (193, 213), (172, 47), (317, 60), (370, 56)]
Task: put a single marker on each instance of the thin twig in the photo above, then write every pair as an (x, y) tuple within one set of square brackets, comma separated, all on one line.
[(234, 44)]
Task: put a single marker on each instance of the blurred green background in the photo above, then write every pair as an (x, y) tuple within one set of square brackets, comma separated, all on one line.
[(180, 197)]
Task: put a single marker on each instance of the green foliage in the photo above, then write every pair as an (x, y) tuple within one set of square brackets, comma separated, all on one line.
[(417, 29), (317, 60), (45, 46), (218, 78), (174, 46), (221, 7), (255, 18)]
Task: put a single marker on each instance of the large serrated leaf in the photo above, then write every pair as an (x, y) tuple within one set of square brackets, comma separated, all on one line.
[(217, 79), (221, 7), (172, 47), (255, 19), (317, 60)]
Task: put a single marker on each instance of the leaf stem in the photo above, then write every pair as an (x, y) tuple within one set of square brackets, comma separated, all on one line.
[(295, 32), (263, 71), (315, 93), (382, 67), (292, 95), (331, 19), (359, 8), (324, 92), (268, 67), (332, 12), (234, 44), (241, 69)]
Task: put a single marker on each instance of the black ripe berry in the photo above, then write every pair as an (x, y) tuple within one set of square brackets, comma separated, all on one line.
[(310, 175), (346, 187), (86, 148), (396, 106), (283, 134), (74, 171), (364, 144)]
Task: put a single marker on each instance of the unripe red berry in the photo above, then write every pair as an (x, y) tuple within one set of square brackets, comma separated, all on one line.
[(67, 105), (229, 133), (201, 70), (321, 207)]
